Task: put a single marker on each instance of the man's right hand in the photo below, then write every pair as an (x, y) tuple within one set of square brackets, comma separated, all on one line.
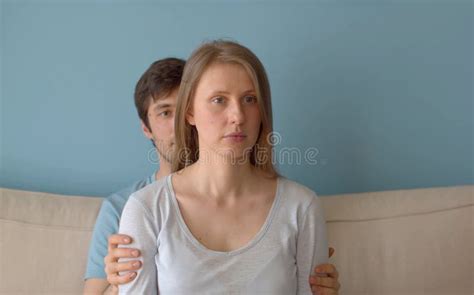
[(113, 267)]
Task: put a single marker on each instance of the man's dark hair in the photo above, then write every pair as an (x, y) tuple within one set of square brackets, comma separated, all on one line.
[(159, 80)]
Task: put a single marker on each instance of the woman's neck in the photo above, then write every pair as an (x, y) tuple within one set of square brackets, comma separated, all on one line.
[(222, 179)]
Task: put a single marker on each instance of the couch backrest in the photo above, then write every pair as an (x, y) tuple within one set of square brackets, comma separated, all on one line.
[(44, 241), (416, 241)]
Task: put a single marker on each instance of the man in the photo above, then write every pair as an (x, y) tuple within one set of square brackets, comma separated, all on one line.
[(155, 101)]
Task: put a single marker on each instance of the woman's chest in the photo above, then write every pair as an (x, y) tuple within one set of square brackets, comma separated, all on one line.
[(266, 263), (224, 228), (266, 266)]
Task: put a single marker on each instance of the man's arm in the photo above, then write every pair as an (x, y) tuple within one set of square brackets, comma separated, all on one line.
[(96, 287), (113, 267), (107, 223)]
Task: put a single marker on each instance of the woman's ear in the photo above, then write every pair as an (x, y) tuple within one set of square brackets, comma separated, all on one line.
[(190, 118)]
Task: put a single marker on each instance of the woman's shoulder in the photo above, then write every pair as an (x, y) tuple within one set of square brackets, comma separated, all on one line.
[(301, 201), (296, 191), (151, 193)]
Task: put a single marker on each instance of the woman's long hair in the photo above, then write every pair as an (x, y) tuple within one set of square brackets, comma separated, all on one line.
[(186, 150)]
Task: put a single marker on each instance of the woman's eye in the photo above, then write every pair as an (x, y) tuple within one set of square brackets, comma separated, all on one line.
[(218, 100), (250, 99)]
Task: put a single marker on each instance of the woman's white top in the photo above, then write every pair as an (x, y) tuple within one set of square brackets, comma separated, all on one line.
[(278, 260)]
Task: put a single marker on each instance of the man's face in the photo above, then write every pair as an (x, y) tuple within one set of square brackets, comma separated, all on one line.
[(161, 120)]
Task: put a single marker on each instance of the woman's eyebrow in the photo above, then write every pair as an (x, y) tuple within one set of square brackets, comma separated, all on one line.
[(227, 92), (219, 92), (249, 91)]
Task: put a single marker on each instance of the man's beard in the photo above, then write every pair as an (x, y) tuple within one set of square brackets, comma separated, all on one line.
[(167, 155)]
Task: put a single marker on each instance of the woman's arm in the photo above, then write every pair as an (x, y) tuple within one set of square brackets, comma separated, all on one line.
[(312, 245), (137, 221)]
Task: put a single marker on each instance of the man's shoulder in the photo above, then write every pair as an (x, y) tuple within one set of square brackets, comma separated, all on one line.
[(118, 199)]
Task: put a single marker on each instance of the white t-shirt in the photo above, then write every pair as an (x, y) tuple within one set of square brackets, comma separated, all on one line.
[(278, 260)]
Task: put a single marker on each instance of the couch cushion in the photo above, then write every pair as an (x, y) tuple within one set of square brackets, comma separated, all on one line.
[(417, 241), (44, 241)]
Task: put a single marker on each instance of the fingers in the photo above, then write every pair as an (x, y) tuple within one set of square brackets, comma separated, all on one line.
[(118, 239), (112, 267), (328, 282), (328, 269), (331, 251), (116, 253), (323, 291), (115, 279), (325, 285), (115, 267)]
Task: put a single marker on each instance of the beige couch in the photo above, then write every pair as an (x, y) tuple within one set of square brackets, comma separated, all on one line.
[(416, 241)]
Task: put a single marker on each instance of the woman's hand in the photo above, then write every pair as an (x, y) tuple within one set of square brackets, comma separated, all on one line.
[(325, 285), (113, 267)]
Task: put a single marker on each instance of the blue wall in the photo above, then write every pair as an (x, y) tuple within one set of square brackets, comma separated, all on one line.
[(382, 89)]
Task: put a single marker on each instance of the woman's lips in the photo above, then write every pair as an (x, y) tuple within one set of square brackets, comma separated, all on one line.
[(238, 133), (236, 137)]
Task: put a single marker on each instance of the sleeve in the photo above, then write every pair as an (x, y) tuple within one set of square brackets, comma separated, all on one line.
[(106, 224), (312, 245), (137, 222)]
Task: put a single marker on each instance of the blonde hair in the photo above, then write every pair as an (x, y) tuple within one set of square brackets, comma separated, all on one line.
[(186, 150)]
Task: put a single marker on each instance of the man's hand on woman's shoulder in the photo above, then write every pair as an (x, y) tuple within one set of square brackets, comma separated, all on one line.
[(113, 267), (329, 284)]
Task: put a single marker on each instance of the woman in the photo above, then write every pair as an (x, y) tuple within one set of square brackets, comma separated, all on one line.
[(224, 222)]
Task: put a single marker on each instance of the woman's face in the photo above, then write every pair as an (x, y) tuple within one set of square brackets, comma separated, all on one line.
[(225, 111)]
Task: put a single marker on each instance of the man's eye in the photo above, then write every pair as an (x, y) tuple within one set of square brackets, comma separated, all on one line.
[(164, 114), (250, 99), (218, 100)]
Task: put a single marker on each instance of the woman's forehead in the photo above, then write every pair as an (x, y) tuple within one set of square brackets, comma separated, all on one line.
[(225, 77)]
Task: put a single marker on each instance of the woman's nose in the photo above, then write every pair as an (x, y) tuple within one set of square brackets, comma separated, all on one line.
[(237, 115)]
